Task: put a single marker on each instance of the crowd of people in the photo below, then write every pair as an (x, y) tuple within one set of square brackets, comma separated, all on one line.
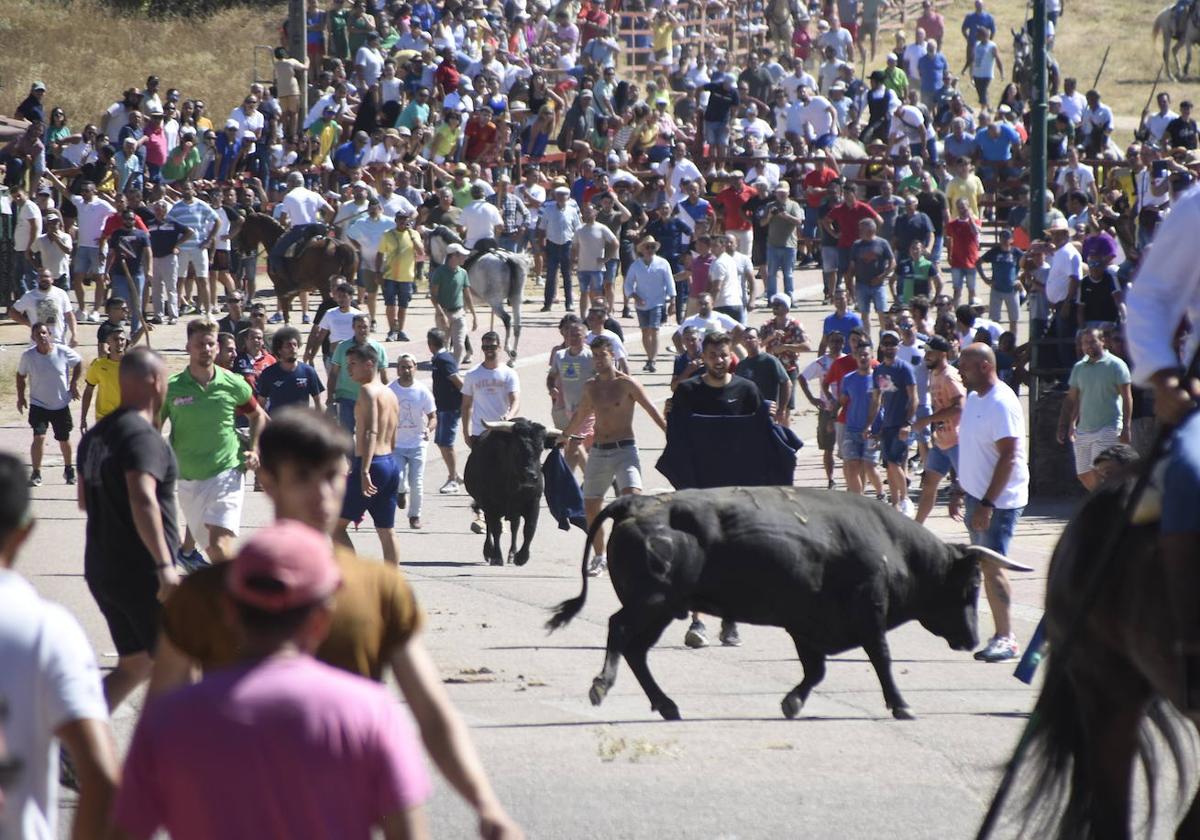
[(688, 183)]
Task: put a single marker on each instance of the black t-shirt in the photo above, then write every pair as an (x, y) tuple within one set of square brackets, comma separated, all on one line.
[(720, 100), (123, 441), (766, 372), (1182, 133), (228, 325), (614, 327), (933, 204), (1098, 297), (107, 328), (446, 397), (694, 396)]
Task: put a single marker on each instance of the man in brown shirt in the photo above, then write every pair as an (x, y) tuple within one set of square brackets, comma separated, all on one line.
[(376, 620)]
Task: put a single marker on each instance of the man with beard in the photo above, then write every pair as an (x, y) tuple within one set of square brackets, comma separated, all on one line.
[(289, 381)]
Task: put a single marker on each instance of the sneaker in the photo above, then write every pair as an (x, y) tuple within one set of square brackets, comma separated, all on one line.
[(625, 312), (401, 500), (414, 522), (729, 634), (999, 649), (597, 566), (650, 367), (696, 636), (93, 317), (192, 560), (401, 335), (172, 321), (305, 319), (277, 318), (477, 526), (69, 474), (545, 308), (880, 497), (449, 488), (35, 478), (156, 320), (829, 484), (391, 336), (907, 507)]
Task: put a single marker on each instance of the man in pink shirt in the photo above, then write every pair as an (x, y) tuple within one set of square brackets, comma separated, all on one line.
[(156, 143), (280, 745)]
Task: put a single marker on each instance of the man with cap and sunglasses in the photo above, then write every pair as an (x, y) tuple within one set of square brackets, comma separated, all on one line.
[(282, 741)]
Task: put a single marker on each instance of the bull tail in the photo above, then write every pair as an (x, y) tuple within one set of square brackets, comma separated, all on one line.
[(570, 608)]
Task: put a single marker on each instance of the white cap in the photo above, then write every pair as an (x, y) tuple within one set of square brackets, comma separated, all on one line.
[(455, 248)]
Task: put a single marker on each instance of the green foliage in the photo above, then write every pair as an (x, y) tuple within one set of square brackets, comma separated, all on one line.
[(162, 9)]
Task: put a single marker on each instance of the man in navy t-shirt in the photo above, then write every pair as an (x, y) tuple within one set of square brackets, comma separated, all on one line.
[(447, 401), (894, 395), (289, 381), (841, 321), (1005, 262)]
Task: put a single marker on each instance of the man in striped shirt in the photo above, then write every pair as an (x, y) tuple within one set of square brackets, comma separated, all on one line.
[(201, 221)]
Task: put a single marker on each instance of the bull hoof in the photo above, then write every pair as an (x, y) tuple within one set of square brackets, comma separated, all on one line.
[(903, 713), (667, 709), (791, 706), (598, 691), (521, 559), (496, 561)]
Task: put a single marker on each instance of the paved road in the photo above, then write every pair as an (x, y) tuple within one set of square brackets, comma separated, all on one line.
[(734, 768)]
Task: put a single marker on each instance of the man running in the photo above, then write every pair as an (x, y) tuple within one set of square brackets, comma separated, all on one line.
[(607, 405), (490, 392), (374, 478), (947, 393), (52, 373)]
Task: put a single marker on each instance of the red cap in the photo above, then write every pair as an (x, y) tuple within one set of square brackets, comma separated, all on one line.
[(283, 566)]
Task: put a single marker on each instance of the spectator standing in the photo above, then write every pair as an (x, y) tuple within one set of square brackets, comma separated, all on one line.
[(964, 231), (202, 404), (995, 477), (447, 398), (87, 267), (767, 373), (1181, 132), (735, 220), (51, 372), (558, 222), (166, 235), (26, 230), (972, 23), (201, 223), (288, 381), (843, 221), (859, 448), (418, 413), (826, 408), (894, 402), (946, 393), (129, 255), (128, 495), (337, 322), (1099, 406), (1006, 289), (395, 262), (367, 232), (53, 250), (651, 285), (592, 247), (570, 369), (841, 321), (281, 584), (103, 380), (782, 221), (51, 686)]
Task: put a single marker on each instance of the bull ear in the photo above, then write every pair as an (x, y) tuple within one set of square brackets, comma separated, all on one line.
[(999, 559)]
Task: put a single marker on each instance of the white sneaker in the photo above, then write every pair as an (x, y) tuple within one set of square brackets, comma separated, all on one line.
[(907, 507), (597, 566), (93, 317), (449, 488), (999, 649)]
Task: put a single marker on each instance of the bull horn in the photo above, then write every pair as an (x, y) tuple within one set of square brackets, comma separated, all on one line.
[(557, 433), (498, 425), (1002, 561)]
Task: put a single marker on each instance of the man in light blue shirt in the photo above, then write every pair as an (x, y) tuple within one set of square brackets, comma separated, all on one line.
[(558, 222), (201, 220), (651, 284)]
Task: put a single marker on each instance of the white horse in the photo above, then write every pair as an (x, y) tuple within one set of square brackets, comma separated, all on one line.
[(497, 277), (1184, 34)]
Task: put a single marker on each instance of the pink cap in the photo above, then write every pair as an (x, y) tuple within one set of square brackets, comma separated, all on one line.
[(283, 566)]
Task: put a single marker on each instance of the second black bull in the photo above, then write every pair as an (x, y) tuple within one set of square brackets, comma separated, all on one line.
[(835, 571)]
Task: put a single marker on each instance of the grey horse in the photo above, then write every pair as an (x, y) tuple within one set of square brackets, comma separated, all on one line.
[(1178, 32), (497, 277)]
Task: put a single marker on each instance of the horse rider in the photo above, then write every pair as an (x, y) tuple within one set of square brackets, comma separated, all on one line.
[(1180, 11), (1166, 290), (307, 213)]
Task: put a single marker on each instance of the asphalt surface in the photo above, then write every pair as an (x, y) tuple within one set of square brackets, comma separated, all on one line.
[(734, 767)]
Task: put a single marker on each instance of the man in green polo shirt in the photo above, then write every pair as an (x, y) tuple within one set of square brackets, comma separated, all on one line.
[(203, 402), (343, 388), (1096, 413), (451, 289)]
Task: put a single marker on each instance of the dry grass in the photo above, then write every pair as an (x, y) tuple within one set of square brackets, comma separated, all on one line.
[(86, 55)]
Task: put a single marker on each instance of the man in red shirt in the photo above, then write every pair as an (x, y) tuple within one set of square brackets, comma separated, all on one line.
[(842, 222), (815, 182), (735, 220), (830, 385), (447, 74), (480, 135), (962, 232)]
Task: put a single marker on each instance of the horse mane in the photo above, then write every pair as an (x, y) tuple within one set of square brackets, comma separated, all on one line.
[(267, 219)]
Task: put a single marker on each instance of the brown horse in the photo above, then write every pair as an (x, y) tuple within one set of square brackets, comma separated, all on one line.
[(1111, 678), (309, 271)]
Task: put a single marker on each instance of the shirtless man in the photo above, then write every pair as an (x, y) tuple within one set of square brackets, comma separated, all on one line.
[(610, 397), (374, 478)]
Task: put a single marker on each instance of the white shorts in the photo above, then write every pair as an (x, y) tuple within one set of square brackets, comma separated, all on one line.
[(197, 258), (1088, 445), (215, 501)]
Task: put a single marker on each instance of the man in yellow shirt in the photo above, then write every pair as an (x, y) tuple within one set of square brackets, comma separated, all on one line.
[(103, 375), (964, 184), (399, 251)]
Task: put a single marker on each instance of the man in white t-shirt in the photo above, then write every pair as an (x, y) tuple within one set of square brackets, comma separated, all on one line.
[(50, 685), (706, 320), (596, 316), (994, 474), (592, 247), (53, 250), (27, 227), (490, 392), (47, 304), (480, 219), (337, 324), (92, 212), (414, 428)]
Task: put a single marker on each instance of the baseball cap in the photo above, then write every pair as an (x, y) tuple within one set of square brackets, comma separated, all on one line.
[(886, 334), (936, 342), (231, 124), (38, 85), (455, 248), (51, 215), (284, 566), (781, 299), (562, 190)]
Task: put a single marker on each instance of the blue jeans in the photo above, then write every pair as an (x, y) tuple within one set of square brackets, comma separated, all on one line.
[(121, 287), (683, 289), (516, 244), (1000, 530), (24, 271), (345, 412), (558, 259), (1181, 480), (411, 461), (780, 258)]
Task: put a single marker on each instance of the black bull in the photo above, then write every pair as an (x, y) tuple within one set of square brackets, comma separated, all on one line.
[(833, 570)]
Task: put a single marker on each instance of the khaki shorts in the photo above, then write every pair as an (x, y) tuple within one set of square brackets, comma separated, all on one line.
[(290, 104), (621, 464)]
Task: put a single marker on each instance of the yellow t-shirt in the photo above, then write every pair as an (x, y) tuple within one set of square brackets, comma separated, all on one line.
[(445, 138), (664, 37), (374, 612), (399, 258), (970, 188), (103, 375)]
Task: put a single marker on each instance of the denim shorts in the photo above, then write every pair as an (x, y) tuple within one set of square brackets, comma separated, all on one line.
[(857, 448), (921, 435), (86, 260), (830, 257), (893, 448), (447, 428), (1000, 530), (868, 295), (941, 461), (650, 318), (716, 133), (591, 281), (810, 222), (398, 293)]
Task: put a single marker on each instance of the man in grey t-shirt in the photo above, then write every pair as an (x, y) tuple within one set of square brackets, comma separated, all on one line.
[(871, 263), (592, 246), (50, 371), (570, 369)]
